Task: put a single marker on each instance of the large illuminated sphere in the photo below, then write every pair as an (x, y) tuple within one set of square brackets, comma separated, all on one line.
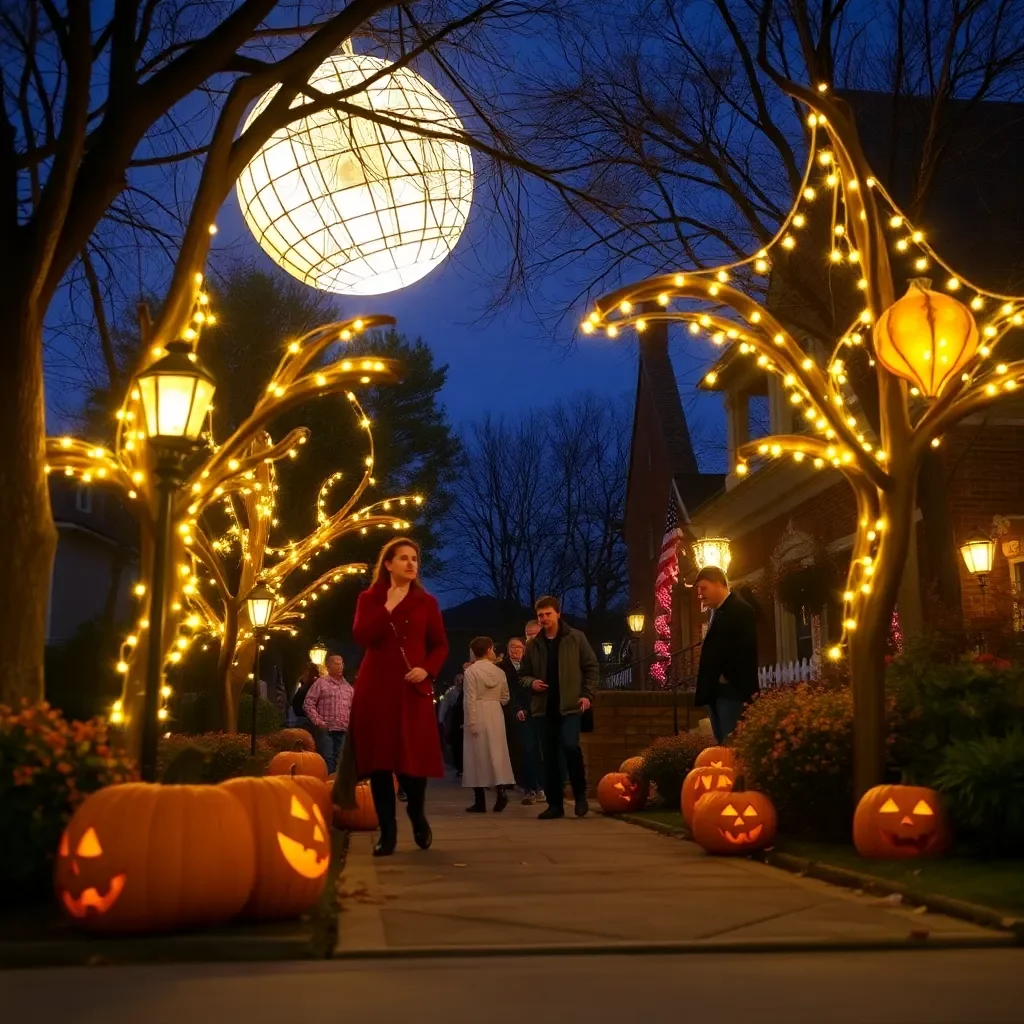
[(351, 206)]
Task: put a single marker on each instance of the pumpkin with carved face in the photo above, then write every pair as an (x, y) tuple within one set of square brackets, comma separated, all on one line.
[(293, 845), (319, 792), (734, 823), (141, 858), (716, 757), (700, 782), (899, 823), (304, 762), (618, 794)]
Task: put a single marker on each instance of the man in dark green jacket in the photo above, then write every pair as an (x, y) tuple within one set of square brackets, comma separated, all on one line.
[(561, 669)]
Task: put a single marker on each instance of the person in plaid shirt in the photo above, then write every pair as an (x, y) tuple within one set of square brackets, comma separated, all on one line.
[(328, 706)]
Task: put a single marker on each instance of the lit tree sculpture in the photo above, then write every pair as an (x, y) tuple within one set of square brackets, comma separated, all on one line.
[(239, 469), (237, 561), (931, 362)]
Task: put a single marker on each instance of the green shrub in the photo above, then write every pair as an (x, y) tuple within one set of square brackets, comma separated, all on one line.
[(796, 745), (48, 766), (285, 739), (943, 702), (268, 717), (982, 781), (667, 761), (194, 713), (227, 754)]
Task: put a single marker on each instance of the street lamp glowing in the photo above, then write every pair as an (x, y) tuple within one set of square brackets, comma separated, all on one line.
[(714, 551), (318, 654), (978, 554), (176, 393), (260, 603), (606, 648), (635, 620)]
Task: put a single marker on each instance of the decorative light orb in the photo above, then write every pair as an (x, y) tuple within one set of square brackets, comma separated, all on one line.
[(635, 620), (351, 206), (176, 392), (714, 551), (927, 338), (978, 554)]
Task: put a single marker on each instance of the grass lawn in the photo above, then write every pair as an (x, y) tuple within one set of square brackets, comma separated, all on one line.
[(992, 883)]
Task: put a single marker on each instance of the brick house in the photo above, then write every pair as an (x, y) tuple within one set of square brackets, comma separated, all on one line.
[(784, 522)]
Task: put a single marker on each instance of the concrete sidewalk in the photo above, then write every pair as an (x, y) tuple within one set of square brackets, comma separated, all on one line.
[(508, 882)]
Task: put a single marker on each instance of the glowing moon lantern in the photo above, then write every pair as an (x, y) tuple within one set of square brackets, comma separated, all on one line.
[(348, 205), (926, 337)]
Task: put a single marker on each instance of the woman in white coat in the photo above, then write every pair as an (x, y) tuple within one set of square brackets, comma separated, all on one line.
[(485, 749)]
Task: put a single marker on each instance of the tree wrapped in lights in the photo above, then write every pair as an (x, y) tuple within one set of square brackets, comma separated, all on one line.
[(238, 560), (930, 360), (237, 470)]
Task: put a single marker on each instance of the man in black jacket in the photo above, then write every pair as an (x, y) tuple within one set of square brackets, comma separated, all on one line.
[(727, 676)]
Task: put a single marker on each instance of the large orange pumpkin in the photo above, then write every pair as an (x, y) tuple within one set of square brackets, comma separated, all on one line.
[(716, 757), (618, 794), (293, 845), (303, 761), (700, 782), (146, 858), (734, 823), (900, 822), (362, 818), (320, 792)]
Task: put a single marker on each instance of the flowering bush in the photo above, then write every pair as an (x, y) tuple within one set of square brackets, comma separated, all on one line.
[(48, 766), (668, 760), (226, 754), (796, 744)]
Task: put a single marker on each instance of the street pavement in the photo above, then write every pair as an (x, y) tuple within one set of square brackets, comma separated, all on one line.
[(510, 919)]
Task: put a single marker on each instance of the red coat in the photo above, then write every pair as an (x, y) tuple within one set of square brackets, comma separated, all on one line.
[(393, 725)]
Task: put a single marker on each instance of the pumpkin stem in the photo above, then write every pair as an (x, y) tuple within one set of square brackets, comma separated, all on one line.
[(186, 768)]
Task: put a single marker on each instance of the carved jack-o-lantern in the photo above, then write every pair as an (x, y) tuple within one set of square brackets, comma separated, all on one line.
[(144, 858), (320, 792), (716, 757), (293, 845), (734, 823), (700, 782), (618, 794), (900, 822)]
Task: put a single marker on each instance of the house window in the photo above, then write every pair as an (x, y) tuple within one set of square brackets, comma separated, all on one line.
[(83, 499)]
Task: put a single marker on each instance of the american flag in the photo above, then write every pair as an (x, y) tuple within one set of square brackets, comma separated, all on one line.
[(668, 575)]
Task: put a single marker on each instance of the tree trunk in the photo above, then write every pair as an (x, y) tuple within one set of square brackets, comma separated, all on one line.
[(28, 538), (868, 641), (228, 647), (245, 655)]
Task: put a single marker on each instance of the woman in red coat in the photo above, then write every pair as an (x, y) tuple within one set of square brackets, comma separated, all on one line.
[(392, 727)]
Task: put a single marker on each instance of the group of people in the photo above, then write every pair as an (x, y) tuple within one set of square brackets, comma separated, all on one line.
[(385, 726), (515, 719)]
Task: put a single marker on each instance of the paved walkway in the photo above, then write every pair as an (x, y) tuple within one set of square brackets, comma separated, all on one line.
[(507, 882)]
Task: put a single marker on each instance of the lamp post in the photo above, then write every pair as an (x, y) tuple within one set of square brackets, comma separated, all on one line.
[(318, 653), (635, 621), (606, 649), (715, 551), (978, 553), (260, 603), (176, 392)]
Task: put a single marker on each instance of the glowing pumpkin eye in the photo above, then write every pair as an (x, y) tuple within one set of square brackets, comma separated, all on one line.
[(889, 807), (730, 812), (922, 808), (750, 812), (319, 817), (89, 845), (298, 811), (706, 781), (65, 848), (318, 836), (723, 782), (716, 764)]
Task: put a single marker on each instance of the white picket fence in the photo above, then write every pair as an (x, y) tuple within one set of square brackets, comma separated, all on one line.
[(771, 676)]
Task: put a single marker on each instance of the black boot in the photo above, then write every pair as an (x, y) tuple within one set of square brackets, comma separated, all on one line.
[(502, 802), (422, 833), (479, 803), (387, 840)]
